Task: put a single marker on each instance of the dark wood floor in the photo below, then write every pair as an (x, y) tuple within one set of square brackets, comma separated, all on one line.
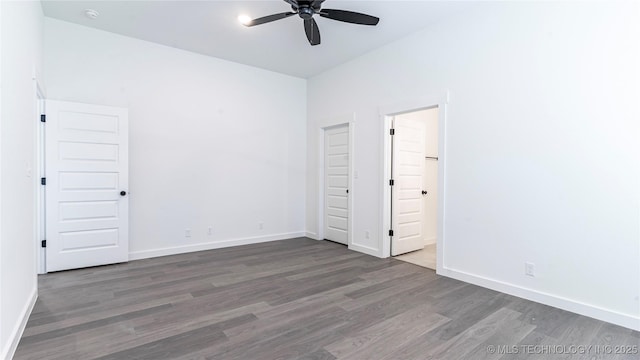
[(293, 299)]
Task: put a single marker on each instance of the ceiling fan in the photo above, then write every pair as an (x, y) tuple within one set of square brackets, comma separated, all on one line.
[(306, 9)]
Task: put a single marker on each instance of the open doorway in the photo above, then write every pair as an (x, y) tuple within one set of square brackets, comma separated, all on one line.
[(414, 187)]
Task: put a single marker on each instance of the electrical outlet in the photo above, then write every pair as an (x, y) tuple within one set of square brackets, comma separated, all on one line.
[(187, 232), (210, 231), (260, 225), (529, 269), (366, 234)]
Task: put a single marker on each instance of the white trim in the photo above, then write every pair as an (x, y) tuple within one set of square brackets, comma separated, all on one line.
[(320, 190), (365, 249), (352, 191), (442, 177), (559, 302), (438, 100), (431, 241), (2, 345), (18, 330), (312, 235), (384, 244), (174, 250), (39, 172)]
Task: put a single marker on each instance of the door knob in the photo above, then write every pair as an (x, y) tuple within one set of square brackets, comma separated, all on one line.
[(424, 192), (123, 193)]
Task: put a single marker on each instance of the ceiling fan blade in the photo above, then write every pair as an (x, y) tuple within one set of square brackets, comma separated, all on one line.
[(312, 31), (349, 16), (270, 18)]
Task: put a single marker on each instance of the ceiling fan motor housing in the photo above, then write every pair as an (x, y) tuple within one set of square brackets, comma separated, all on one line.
[(305, 12)]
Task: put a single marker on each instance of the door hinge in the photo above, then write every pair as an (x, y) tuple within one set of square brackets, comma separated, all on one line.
[(390, 232), (43, 181), (43, 243), (43, 118), (391, 182), (392, 131)]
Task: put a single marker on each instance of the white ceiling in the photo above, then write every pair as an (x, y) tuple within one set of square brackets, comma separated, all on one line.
[(212, 28)]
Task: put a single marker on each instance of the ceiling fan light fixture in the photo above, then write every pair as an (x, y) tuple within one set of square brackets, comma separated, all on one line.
[(305, 12), (244, 19)]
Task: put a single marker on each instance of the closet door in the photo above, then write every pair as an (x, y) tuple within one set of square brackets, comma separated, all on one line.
[(336, 184), (407, 205), (86, 168)]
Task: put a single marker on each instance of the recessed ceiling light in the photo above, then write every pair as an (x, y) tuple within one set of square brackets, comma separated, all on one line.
[(91, 14), (244, 19)]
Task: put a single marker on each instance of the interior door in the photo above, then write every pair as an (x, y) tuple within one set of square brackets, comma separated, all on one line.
[(336, 184), (86, 185), (407, 208)]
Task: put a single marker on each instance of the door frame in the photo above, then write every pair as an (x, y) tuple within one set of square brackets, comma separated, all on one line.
[(349, 121), (439, 101), (39, 172)]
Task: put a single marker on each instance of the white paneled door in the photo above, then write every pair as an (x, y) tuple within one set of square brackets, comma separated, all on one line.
[(336, 184), (86, 185), (407, 170)]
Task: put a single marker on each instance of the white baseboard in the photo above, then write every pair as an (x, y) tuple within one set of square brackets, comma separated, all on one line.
[(18, 330), (311, 235), (366, 250), (174, 250), (560, 302)]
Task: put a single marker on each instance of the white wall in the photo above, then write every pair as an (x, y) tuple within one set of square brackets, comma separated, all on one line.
[(21, 62), (541, 146), (212, 143)]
